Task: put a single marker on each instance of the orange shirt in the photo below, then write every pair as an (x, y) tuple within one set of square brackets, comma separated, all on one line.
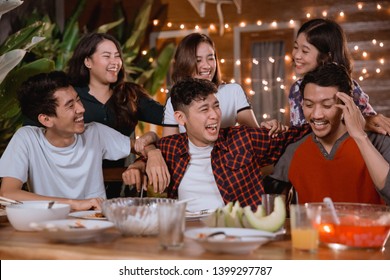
[(344, 177)]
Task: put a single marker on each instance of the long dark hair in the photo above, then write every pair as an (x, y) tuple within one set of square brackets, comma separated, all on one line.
[(330, 40), (77, 71), (124, 102), (184, 65)]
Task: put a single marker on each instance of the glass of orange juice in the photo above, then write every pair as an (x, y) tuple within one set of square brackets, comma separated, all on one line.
[(304, 230)]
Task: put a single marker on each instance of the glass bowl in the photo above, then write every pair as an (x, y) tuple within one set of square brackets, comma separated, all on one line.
[(361, 225), (134, 216)]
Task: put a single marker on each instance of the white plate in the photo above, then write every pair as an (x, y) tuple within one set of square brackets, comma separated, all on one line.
[(247, 241), (72, 231), (89, 215), (190, 216)]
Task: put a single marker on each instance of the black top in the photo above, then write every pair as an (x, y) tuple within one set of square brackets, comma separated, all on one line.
[(148, 110)]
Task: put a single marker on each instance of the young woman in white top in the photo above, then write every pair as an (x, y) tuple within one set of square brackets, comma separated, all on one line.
[(196, 57)]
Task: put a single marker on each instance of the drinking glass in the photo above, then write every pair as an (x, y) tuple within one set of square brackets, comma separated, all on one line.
[(171, 224)]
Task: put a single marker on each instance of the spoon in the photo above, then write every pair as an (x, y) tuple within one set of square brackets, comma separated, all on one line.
[(51, 203), (329, 203), (232, 236)]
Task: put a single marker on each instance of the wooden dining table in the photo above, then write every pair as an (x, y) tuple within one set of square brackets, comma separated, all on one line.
[(111, 245)]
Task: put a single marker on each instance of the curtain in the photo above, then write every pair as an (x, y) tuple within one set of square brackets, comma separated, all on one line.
[(268, 74)]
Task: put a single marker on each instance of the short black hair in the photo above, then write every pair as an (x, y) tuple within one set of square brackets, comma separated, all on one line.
[(36, 95), (328, 75), (190, 89)]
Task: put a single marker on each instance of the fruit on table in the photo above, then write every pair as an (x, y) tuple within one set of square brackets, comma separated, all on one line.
[(233, 215), (273, 221)]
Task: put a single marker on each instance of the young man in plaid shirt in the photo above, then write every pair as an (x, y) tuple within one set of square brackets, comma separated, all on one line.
[(212, 165)]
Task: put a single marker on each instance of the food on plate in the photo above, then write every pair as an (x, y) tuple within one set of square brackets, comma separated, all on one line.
[(97, 215), (273, 221), (233, 215)]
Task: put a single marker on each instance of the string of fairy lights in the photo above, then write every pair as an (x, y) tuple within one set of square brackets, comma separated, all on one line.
[(339, 14)]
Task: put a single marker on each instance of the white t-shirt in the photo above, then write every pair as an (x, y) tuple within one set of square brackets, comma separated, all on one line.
[(231, 99), (198, 181), (72, 172)]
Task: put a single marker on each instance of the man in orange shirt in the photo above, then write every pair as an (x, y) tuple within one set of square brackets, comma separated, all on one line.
[(338, 159)]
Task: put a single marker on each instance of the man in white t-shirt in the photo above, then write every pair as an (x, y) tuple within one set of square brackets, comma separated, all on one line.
[(62, 160)]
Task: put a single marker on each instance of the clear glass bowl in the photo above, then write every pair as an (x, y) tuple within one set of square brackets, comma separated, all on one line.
[(361, 225), (134, 216)]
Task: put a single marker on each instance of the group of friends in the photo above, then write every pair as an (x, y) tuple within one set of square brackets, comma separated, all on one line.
[(76, 122)]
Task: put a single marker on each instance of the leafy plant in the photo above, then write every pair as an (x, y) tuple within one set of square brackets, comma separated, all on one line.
[(13, 72)]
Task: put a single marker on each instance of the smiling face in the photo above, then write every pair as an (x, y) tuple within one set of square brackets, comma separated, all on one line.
[(105, 63), (202, 120), (69, 119), (305, 55), (205, 62), (322, 114)]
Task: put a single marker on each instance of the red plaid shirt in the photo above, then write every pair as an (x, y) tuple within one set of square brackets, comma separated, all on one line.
[(237, 157)]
